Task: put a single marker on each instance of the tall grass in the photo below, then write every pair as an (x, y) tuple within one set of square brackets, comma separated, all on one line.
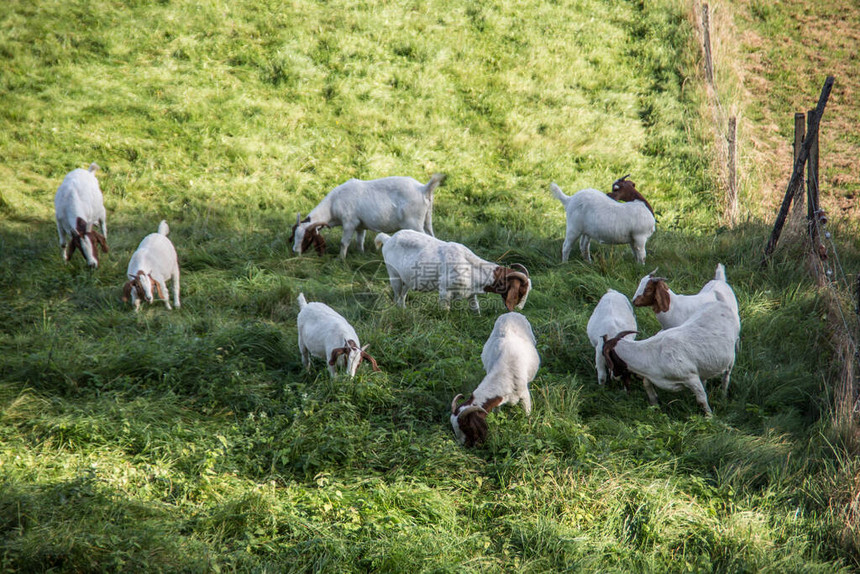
[(193, 440)]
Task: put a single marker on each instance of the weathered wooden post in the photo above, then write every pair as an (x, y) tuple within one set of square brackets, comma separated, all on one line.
[(709, 64), (732, 140), (799, 135), (797, 173)]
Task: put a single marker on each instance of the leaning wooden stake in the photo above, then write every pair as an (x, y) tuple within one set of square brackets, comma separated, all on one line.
[(732, 142), (706, 40), (797, 174)]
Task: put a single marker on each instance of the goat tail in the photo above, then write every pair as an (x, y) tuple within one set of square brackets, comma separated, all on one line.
[(720, 273), (558, 193), (302, 301), (94, 167), (163, 228), (435, 181), (380, 240)]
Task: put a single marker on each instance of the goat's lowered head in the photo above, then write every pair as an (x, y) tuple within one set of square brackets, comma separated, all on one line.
[(614, 364), (513, 284), (652, 292), (624, 189), (469, 420), (139, 288), (304, 234), (88, 242), (354, 356)]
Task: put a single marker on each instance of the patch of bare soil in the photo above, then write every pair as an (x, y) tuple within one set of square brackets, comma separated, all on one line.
[(822, 38)]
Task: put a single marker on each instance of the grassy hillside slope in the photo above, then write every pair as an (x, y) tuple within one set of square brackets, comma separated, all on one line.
[(193, 440)]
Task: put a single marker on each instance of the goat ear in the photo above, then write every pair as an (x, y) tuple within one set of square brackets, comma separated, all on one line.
[(474, 427), (101, 241), (298, 218), (126, 291), (661, 296), (512, 296), (337, 353), (157, 288), (80, 226)]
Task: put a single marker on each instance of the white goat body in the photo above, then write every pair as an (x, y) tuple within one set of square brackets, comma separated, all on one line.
[(672, 309), (423, 263), (595, 215), (684, 356), (153, 264), (388, 204), (78, 206), (325, 334), (511, 360), (612, 315)]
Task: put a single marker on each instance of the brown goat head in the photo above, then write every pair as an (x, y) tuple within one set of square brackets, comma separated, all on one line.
[(615, 365), (512, 285), (655, 295), (624, 189)]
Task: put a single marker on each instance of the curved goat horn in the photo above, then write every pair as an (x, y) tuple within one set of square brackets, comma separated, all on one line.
[(517, 275), (520, 267), (454, 403), (373, 364), (472, 409)]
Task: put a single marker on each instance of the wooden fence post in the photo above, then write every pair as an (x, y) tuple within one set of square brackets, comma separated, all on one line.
[(709, 64), (797, 173), (799, 135), (732, 140)]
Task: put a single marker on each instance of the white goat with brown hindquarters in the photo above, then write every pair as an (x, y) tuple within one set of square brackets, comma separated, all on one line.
[(511, 360), (683, 356), (672, 309), (592, 214), (387, 205), (423, 263), (79, 206), (612, 315), (152, 265), (325, 334)]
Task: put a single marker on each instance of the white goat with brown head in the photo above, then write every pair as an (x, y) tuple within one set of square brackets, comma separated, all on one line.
[(681, 357), (622, 216), (388, 204), (325, 334), (672, 309), (79, 206), (423, 263), (612, 315), (152, 265), (511, 360)]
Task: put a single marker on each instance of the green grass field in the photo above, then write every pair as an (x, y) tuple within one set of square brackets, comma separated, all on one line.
[(193, 440)]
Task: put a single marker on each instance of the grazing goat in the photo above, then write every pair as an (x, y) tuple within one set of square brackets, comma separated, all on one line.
[(325, 334), (423, 263), (153, 265), (79, 206), (595, 215), (684, 356), (672, 309), (388, 204), (511, 360), (613, 314)]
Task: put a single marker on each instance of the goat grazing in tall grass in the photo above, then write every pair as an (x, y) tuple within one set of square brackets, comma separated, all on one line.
[(622, 216), (423, 263), (511, 360), (387, 205), (78, 207), (325, 334), (153, 264)]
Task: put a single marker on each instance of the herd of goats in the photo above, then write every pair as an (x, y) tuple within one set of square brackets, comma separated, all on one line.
[(699, 332)]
